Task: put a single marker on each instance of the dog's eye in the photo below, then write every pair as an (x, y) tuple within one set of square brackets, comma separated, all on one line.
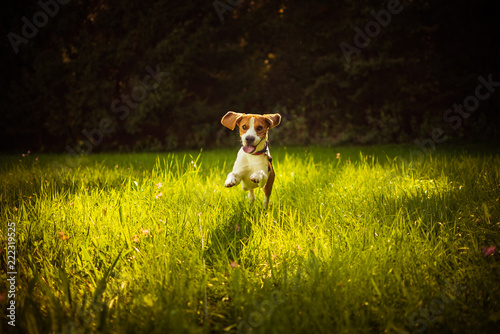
[(244, 127), (259, 128)]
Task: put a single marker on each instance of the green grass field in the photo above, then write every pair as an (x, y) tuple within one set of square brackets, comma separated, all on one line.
[(154, 243)]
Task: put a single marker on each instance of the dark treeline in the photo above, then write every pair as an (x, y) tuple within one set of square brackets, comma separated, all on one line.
[(142, 74)]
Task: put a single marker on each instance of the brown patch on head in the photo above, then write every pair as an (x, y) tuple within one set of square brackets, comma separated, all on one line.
[(260, 124), (244, 124)]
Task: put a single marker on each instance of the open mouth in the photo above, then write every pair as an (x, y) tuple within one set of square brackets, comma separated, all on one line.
[(249, 148)]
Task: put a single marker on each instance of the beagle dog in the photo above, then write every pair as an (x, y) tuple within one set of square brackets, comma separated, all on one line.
[(252, 167)]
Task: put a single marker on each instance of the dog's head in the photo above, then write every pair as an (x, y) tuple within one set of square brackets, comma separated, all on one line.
[(253, 128)]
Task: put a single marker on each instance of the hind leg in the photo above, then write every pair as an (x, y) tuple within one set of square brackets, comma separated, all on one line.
[(268, 187), (251, 196)]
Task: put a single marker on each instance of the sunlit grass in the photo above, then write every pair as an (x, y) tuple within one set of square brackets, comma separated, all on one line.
[(359, 242)]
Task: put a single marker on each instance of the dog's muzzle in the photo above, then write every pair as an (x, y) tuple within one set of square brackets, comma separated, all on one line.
[(250, 148), (249, 145)]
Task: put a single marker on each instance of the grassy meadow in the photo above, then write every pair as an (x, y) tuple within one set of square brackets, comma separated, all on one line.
[(355, 241)]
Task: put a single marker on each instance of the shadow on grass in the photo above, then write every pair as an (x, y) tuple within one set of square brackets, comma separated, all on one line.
[(230, 237)]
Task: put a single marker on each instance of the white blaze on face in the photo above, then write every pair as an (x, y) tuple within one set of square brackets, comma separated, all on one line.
[(251, 131), (258, 142)]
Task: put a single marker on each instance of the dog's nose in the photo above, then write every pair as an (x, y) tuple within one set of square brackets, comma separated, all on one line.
[(249, 139)]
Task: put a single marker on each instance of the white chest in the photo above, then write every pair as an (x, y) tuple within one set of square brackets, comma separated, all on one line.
[(246, 164)]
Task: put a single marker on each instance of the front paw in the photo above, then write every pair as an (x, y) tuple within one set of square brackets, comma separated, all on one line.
[(230, 181), (257, 177)]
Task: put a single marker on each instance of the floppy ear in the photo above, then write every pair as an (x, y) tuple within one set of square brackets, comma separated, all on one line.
[(231, 119), (274, 120)]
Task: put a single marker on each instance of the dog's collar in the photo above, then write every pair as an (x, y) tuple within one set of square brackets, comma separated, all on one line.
[(263, 151)]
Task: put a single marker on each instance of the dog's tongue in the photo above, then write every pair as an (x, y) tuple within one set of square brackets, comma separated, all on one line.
[(248, 148)]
